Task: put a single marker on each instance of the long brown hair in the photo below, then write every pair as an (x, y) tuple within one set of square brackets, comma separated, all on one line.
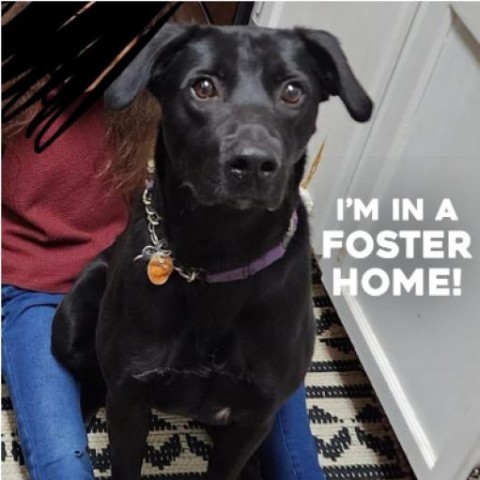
[(132, 133)]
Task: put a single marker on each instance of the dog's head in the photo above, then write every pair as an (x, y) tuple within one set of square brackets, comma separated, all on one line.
[(239, 104)]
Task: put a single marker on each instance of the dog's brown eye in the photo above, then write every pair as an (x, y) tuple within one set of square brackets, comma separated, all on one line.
[(204, 88), (292, 93)]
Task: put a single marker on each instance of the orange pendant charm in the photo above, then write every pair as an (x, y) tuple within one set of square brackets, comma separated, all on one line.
[(159, 269)]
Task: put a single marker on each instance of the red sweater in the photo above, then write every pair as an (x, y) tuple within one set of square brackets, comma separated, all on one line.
[(57, 210)]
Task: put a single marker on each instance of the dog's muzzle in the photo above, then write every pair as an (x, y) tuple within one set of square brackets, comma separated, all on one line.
[(251, 164)]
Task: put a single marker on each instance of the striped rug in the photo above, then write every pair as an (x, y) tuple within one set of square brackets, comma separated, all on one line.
[(353, 437)]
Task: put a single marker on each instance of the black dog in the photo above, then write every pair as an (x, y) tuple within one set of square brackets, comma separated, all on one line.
[(228, 336)]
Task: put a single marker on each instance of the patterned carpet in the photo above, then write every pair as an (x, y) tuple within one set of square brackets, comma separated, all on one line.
[(353, 437)]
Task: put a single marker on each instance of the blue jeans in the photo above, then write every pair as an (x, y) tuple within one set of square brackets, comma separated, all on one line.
[(45, 397), (289, 453), (47, 403)]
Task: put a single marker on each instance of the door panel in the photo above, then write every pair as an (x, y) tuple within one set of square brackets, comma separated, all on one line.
[(422, 352)]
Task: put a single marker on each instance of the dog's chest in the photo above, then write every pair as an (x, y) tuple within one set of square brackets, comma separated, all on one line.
[(200, 360), (195, 350), (212, 382)]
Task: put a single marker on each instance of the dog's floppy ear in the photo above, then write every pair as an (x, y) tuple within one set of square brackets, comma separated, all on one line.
[(147, 63), (336, 76)]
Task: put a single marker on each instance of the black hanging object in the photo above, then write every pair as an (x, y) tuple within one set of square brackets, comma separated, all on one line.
[(69, 45)]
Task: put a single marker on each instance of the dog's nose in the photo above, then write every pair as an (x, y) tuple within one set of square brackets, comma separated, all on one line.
[(253, 161)]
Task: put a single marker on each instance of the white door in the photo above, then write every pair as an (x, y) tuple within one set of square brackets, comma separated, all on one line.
[(421, 64)]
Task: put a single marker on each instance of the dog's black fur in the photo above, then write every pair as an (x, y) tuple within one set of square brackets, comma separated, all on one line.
[(228, 172)]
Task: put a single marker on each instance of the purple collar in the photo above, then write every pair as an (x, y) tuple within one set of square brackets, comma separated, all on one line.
[(259, 264), (160, 253)]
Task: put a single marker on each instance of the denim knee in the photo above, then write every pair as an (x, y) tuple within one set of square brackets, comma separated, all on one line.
[(74, 465)]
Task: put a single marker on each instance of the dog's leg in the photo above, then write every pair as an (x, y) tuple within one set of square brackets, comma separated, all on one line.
[(73, 333), (128, 425), (252, 469), (75, 321), (233, 445)]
